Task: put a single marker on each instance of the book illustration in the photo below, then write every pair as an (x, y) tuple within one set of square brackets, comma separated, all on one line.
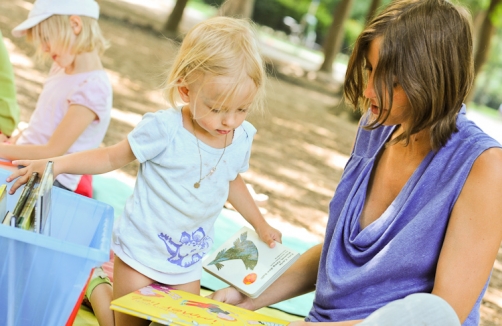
[(247, 263), (242, 249), (167, 306), (24, 197), (26, 216)]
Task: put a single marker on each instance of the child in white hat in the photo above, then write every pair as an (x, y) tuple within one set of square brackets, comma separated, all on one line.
[(73, 110)]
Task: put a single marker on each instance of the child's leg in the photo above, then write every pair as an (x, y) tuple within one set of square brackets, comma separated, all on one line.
[(125, 281), (99, 293), (192, 287), (100, 300)]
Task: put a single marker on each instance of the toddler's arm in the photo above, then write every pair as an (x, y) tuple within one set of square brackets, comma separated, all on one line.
[(93, 161), (243, 202), (67, 132)]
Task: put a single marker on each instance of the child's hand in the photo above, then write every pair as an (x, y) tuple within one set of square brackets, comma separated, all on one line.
[(269, 235), (24, 174)]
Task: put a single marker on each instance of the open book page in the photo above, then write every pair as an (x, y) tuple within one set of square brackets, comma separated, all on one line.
[(247, 263), (166, 306)]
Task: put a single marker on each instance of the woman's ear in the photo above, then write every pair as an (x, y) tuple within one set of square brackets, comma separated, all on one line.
[(76, 24), (184, 93)]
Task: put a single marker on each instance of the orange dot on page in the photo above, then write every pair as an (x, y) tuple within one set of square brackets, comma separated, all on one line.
[(250, 278)]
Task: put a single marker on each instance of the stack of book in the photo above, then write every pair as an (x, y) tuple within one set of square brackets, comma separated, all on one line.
[(32, 208)]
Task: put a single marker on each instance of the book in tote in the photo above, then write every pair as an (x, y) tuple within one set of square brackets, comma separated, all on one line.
[(43, 199), (167, 306), (247, 263)]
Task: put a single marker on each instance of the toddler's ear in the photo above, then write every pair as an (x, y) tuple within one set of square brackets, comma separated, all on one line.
[(76, 24), (184, 93)]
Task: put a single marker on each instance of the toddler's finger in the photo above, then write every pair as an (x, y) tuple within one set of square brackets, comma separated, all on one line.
[(19, 182)]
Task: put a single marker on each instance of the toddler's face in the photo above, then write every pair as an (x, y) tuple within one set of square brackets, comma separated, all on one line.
[(214, 113), (64, 59)]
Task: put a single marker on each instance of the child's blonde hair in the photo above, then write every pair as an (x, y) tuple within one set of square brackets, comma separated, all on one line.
[(57, 31), (219, 46)]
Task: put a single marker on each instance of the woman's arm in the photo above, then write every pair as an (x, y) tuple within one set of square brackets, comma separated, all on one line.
[(75, 121), (243, 202), (473, 236), (298, 279), (95, 161)]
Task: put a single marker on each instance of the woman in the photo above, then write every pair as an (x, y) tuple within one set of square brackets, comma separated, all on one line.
[(417, 209)]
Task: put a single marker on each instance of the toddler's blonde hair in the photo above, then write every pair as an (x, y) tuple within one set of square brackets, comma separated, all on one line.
[(219, 46), (57, 31)]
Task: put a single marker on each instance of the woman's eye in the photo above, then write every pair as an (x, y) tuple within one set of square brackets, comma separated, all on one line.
[(215, 110)]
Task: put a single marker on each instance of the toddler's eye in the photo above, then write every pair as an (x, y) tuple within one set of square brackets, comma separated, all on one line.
[(243, 110)]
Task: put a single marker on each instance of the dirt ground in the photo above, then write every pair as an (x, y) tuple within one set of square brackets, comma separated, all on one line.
[(299, 151)]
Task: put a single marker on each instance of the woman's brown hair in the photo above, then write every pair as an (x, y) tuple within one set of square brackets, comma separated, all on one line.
[(427, 47)]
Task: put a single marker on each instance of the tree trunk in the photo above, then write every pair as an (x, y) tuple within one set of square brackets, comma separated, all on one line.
[(334, 38), (173, 22), (484, 36), (237, 8), (372, 10)]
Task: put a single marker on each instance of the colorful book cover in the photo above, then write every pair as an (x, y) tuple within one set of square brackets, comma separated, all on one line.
[(166, 306), (3, 200), (26, 216), (249, 264)]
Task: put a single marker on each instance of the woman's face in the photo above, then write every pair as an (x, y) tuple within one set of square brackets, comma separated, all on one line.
[(399, 112)]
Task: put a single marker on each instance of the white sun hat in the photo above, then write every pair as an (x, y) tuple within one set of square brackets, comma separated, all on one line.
[(43, 9)]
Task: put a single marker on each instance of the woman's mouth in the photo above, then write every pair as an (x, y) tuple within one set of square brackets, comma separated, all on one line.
[(374, 109)]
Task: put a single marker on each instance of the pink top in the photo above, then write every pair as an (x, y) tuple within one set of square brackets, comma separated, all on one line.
[(90, 89)]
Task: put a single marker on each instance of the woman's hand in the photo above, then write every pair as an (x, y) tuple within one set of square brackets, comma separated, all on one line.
[(269, 235), (231, 296), (23, 174)]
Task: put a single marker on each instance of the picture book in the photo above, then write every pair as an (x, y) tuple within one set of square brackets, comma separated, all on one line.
[(43, 200), (166, 306), (26, 217), (247, 263), (3, 200), (24, 197), (7, 219)]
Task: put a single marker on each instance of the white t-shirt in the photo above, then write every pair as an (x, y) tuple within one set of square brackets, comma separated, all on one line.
[(90, 89), (167, 224)]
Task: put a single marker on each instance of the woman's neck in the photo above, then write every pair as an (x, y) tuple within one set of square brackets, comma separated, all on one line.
[(84, 62), (419, 143)]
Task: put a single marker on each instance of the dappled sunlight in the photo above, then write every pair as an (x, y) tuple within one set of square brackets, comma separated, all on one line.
[(130, 118), (331, 158)]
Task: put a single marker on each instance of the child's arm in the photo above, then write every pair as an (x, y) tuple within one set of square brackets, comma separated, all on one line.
[(71, 127), (93, 161), (243, 202)]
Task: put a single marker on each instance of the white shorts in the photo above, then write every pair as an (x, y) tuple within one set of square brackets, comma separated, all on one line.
[(164, 278)]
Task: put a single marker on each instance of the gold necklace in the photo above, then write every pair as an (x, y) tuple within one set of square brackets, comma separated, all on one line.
[(197, 184)]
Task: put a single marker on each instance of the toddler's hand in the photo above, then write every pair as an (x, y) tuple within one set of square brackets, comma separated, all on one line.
[(23, 174), (269, 235)]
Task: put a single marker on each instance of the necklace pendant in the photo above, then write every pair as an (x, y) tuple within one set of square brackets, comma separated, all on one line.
[(196, 185)]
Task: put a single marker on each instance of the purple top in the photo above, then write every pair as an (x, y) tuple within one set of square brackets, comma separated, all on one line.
[(396, 255)]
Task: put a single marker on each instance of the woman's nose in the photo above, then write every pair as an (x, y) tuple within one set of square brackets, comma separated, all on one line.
[(369, 91)]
